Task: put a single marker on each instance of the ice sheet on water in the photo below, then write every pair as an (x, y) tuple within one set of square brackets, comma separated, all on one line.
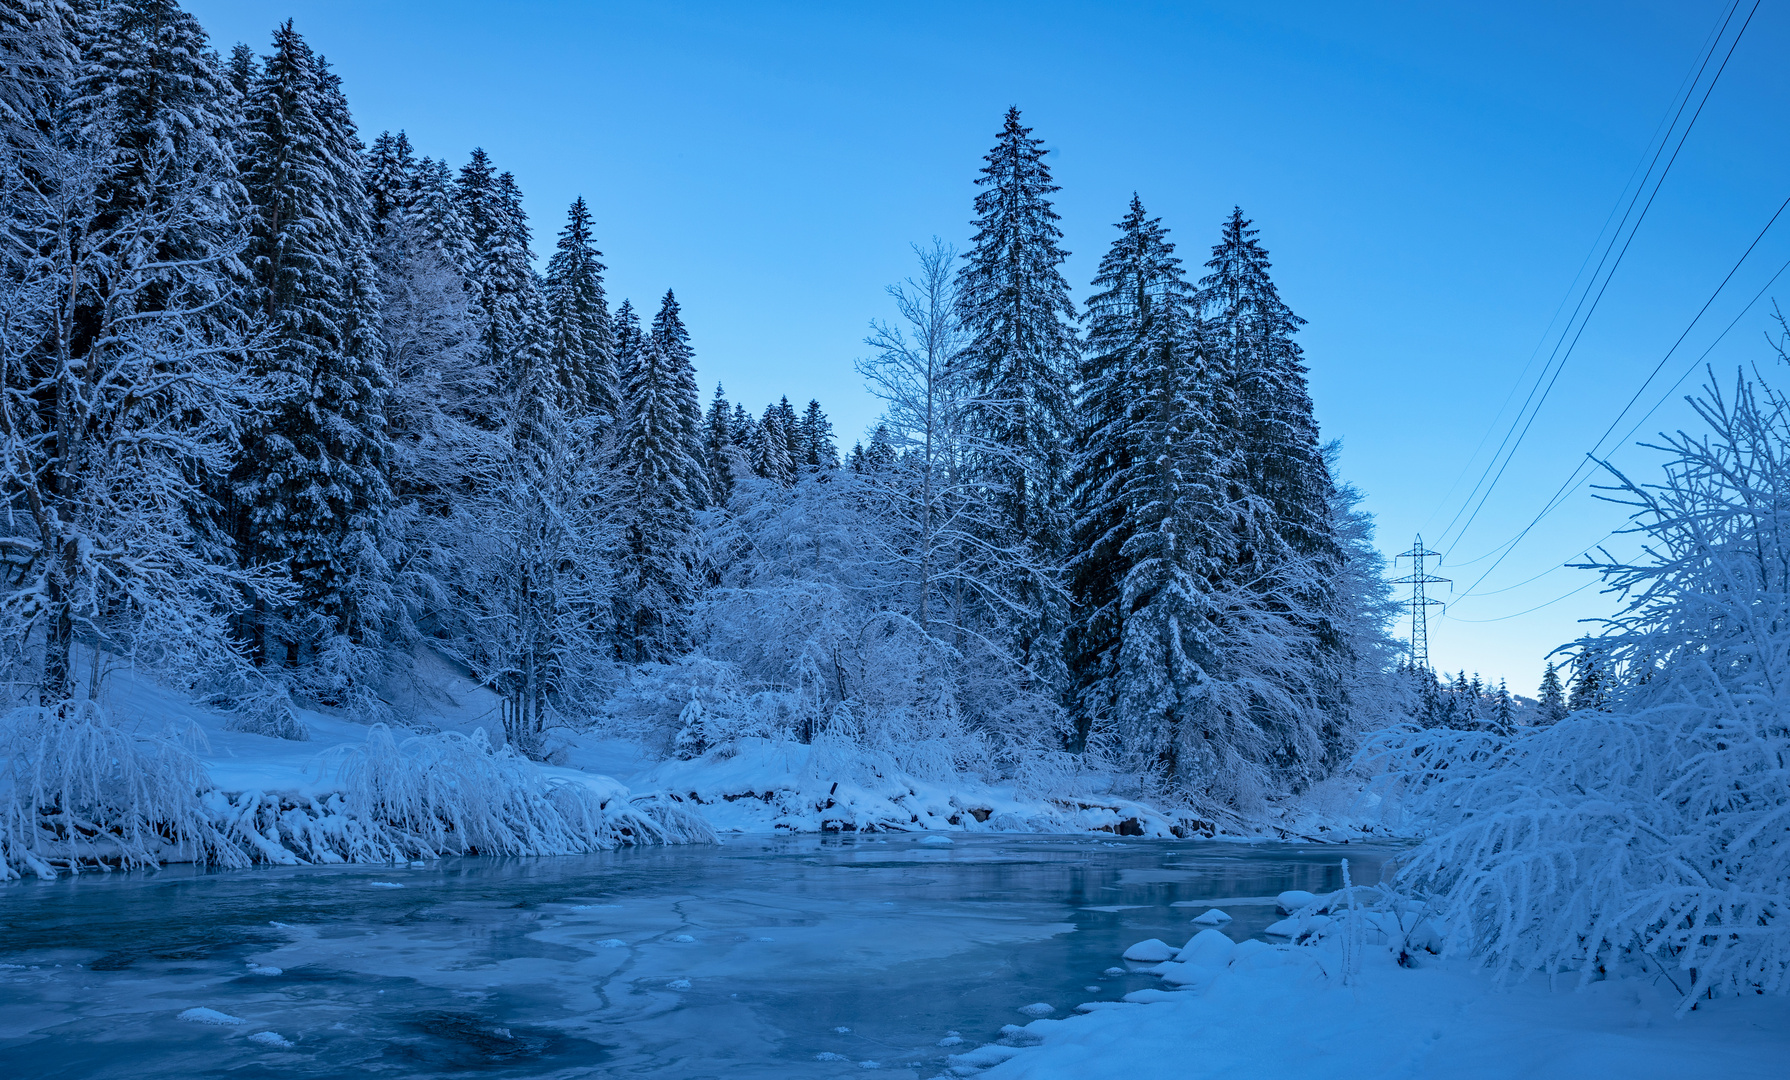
[(612, 943), (683, 939), (678, 984), (938, 840), (383, 885), (270, 1038), (201, 1015)]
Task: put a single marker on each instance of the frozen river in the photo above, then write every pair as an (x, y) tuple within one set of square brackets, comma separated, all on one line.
[(763, 957)]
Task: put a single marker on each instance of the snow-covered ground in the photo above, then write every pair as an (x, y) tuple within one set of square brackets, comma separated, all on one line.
[(1267, 1011)]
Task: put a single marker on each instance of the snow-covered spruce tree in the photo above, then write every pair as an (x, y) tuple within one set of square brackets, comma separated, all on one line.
[(1552, 697), (660, 489), (309, 484), (1648, 836), (721, 455), (819, 452), (770, 449), (1014, 305), (578, 325), (1150, 529), (120, 348), (1281, 494)]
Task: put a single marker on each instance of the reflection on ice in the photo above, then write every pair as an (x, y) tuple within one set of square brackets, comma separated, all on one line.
[(768, 957)]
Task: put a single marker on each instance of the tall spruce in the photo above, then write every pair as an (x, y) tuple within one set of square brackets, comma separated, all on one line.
[(770, 448), (657, 462), (820, 453), (1015, 307), (311, 480), (1148, 516), (719, 449), (673, 340), (578, 324)]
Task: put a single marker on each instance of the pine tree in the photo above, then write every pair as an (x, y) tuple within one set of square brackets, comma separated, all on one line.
[(311, 476), (391, 179), (880, 456), (1015, 305), (819, 452), (1262, 371), (720, 453), (1589, 690), (656, 579), (674, 344), (770, 449), (578, 324), (1503, 716), (1142, 644), (1552, 698), (791, 426)]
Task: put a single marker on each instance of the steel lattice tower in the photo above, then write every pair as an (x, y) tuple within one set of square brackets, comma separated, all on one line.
[(1420, 604)]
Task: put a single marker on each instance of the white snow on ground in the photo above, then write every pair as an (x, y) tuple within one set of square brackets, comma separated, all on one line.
[(1267, 1012), (758, 785)]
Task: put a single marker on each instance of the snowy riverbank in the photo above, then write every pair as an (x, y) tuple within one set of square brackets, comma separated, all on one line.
[(1281, 1010)]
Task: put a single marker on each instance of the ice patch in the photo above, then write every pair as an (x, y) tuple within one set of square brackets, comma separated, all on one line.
[(952, 1039), (1214, 917), (842, 1031), (937, 839), (612, 943), (383, 885), (684, 939), (201, 1015), (828, 1055), (1115, 971), (270, 1038), (259, 969), (1038, 1008), (678, 984), (870, 1064)]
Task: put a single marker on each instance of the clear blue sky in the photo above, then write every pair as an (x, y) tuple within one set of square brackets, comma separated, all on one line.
[(1428, 178)]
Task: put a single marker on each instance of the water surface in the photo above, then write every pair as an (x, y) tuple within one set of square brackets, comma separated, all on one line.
[(762, 957)]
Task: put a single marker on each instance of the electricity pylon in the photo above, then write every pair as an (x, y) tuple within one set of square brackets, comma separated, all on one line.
[(1420, 604)]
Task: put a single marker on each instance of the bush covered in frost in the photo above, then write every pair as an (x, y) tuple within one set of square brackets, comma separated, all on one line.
[(77, 791), (1655, 833)]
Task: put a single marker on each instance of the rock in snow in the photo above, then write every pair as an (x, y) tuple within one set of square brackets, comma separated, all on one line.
[(1214, 917), (1151, 951), (1208, 948), (270, 1038), (199, 1015), (1294, 899), (1038, 1008)]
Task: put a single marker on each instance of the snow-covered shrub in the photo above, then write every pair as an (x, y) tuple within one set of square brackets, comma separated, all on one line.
[(79, 792), (452, 793), (1655, 830)]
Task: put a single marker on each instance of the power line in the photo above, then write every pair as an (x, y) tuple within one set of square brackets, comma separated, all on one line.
[(1519, 614), (1557, 360), (1572, 484)]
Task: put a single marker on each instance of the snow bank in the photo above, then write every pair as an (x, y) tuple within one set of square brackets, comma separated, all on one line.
[(758, 785), (1368, 997)]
